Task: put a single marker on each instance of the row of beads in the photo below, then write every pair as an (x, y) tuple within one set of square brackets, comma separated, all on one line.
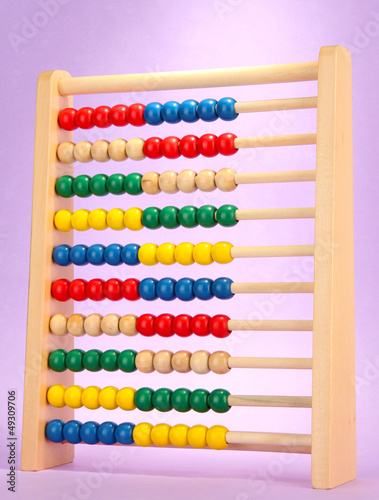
[(153, 113), (189, 146), (144, 399), (165, 325), (167, 289), (143, 434)]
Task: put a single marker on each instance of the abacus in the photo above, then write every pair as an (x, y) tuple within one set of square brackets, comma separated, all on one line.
[(49, 429)]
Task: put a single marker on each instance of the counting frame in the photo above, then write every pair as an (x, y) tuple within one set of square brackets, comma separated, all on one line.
[(332, 442)]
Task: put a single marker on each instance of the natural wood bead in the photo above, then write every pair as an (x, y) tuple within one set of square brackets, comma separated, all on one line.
[(134, 149), (127, 325), (75, 325), (205, 180), (65, 152), (225, 179), (99, 151), (186, 181), (162, 362), (144, 361), (180, 361), (116, 150), (109, 324), (82, 151), (167, 182), (199, 362), (92, 325), (218, 362), (58, 324), (150, 183)]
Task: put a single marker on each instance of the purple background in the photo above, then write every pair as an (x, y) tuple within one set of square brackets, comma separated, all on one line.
[(93, 37)]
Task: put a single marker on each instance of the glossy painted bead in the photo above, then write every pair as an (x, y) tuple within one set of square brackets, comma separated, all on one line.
[(218, 326), (207, 145), (54, 431), (147, 254), (198, 400), (170, 147), (94, 289), (106, 433), (129, 254), (73, 396), (200, 325), (79, 220), (78, 255), (88, 432), (90, 397), (133, 219), (197, 436), (147, 289), (206, 216), (91, 360), (202, 254), (184, 289), (107, 398), (160, 434), (221, 288), (181, 325), (188, 111), (184, 253), (115, 219), (97, 219), (95, 254), (129, 289), (83, 118), (115, 184), (216, 437), (152, 148), (188, 146), (150, 218), (145, 325), (221, 252), (165, 289), (61, 255), (125, 399), (142, 434), (74, 360), (117, 115), (71, 431), (225, 144), (225, 109), (152, 113), (166, 254), (206, 110), (179, 435), (66, 119), (108, 360), (132, 184), (60, 290), (124, 433), (64, 186), (100, 117), (202, 289), (161, 399), (218, 400), (57, 360), (187, 216), (135, 114), (168, 217), (62, 220), (98, 185), (170, 112), (77, 289), (55, 396), (226, 215), (112, 289), (126, 361), (180, 400), (112, 254), (143, 399), (163, 325)]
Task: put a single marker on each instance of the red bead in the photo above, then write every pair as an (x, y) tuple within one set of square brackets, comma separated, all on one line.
[(170, 147), (188, 146), (118, 115), (207, 145), (145, 325), (129, 289), (100, 117), (59, 290), (135, 115), (77, 290), (112, 289), (225, 144), (182, 325), (83, 118), (200, 325), (163, 325), (218, 326), (94, 289), (66, 119), (152, 148)]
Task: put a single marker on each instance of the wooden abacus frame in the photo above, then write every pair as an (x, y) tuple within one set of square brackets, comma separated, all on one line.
[(333, 437)]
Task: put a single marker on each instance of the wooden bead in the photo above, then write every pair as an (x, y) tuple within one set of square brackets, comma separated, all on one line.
[(116, 150), (65, 152), (186, 181), (134, 149), (144, 361), (218, 362), (92, 325), (127, 325), (225, 179), (180, 361), (167, 182), (58, 324), (99, 151), (150, 183), (82, 151), (199, 362), (205, 180), (162, 362), (109, 324), (75, 325)]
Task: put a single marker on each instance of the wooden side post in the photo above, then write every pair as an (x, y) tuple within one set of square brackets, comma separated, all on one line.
[(37, 452), (333, 393)]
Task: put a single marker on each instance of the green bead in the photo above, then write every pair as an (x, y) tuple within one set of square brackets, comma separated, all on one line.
[(218, 400), (91, 360), (74, 360), (143, 399), (162, 399), (169, 217), (98, 185), (108, 360), (226, 215), (205, 216), (180, 400), (115, 184), (187, 216), (150, 218), (126, 361), (63, 186), (81, 186), (57, 360), (198, 400), (132, 183)]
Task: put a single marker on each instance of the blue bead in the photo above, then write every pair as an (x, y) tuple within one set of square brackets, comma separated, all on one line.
[(221, 288), (95, 254), (105, 432), (129, 254), (152, 113), (202, 289), (88, 433), (170, 112), (124, 433), (61, 255), (54, 431), (71, 431), (225, 109), (147, 289), (78, 255), (188, 111), (183, 289), (165, 289), (207, 110), (112, 254)]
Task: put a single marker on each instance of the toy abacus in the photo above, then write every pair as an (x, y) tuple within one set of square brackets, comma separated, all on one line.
[(49, 430)]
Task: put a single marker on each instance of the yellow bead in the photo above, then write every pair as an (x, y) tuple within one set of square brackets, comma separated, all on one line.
[(184, 254), (62, 220), (97, 219), (90, 397), (133, 219), (115, 219), (216, 437), (73, 396), (79, 220), (107, 398), (160, 434), (55, 396), (197, 436), (147, 254), (221, 252), (125, 398), (142, 434), (202, 254), (179, 435), (166, 254)]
